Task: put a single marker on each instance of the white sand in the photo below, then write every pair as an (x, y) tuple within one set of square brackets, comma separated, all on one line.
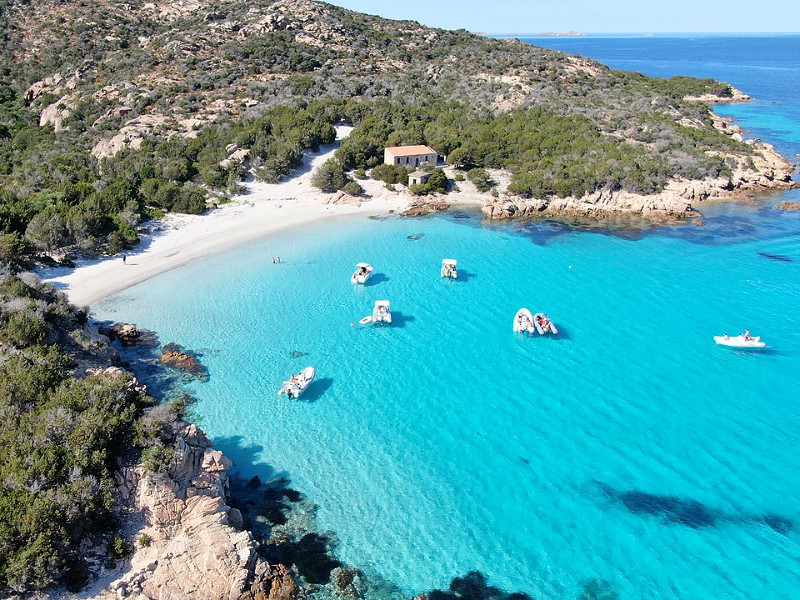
[(265, 209)]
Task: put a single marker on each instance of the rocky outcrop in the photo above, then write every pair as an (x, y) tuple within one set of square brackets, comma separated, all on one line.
[(788, 206), (126, 333), (736, 95), (422, 207), (173, 356), (761, 171), (193, 549), (341, 197)]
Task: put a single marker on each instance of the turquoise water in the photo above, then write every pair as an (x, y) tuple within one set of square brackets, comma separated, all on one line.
[(630, 448)]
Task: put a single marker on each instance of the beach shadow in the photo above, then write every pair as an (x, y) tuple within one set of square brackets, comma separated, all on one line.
[(316, 390), (376, 279), (400, 320)]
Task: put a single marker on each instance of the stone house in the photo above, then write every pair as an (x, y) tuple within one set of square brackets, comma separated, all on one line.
[(418, 178), (409, 156)]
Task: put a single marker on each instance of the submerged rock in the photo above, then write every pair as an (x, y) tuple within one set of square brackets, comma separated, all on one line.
[(173, 356), (415, 236)]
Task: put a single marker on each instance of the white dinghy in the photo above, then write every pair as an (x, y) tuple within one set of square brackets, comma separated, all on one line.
[(362, 273), (544, 324), (523, 321), (298, 384), (450, 268), (381, 313), (744, 340)]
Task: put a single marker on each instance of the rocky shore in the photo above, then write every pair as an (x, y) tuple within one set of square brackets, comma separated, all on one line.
[(764, 170), (192, 543)]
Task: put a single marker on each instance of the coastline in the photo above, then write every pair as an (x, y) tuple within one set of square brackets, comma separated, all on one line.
[(266, 209)]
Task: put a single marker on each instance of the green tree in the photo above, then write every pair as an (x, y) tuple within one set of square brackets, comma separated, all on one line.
[(329, 176)]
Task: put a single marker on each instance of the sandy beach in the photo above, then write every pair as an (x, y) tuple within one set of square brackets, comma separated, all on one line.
[(265, 209)]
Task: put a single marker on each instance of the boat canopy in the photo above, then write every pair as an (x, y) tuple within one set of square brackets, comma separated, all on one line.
[(364, 265), (449, 261), (379, 303)]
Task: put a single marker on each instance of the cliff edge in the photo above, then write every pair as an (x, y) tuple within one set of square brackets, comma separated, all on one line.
[(192, 544)]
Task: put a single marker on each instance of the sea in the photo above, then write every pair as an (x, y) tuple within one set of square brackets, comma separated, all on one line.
[(627, 457)]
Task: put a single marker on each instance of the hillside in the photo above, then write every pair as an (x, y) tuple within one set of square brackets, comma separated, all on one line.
[(111, 113)]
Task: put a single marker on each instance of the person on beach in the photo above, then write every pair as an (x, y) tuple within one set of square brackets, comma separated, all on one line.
[(279, 260), (123, 259), (273, 260)]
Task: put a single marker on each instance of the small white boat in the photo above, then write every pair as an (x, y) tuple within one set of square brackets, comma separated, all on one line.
[(298, 383), (381, 313), (362, 273), (739, 341), (450, 268), (544, 324), (523, 321)]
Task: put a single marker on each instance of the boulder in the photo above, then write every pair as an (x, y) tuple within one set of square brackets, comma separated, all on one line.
[(126, 333), (173, 356)]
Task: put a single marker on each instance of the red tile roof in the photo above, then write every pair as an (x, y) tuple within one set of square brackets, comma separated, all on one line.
[(409, 150)]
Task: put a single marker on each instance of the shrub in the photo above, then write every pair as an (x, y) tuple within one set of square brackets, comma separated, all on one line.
[(23, 330), (330, 176), (119, 547), (353, 188), (156, 458), (390, 173), (437, 182), (481, 179)]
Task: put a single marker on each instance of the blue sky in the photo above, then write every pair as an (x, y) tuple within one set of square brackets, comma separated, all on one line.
[(595, 16)]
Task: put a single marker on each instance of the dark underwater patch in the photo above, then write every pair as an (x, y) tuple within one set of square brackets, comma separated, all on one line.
[(312, 557), (671, 508), (688, 512), (597, 589), (775, 257), (473, 586), (415, 236)]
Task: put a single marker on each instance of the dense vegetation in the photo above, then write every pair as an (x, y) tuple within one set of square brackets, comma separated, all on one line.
[(548, 152), (186, 84), (59, 198), (61, 437)]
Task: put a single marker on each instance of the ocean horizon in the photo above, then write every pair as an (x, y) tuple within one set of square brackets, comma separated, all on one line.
[(628, 455)]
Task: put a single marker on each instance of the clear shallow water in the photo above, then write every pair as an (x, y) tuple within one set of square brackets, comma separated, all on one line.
[(630, 449)]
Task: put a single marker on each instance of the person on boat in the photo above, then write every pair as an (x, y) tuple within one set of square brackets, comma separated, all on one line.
[(725, 336), (293, 378), (747, 335)]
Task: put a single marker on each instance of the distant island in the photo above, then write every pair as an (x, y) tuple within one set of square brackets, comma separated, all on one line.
[(555, 34)]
